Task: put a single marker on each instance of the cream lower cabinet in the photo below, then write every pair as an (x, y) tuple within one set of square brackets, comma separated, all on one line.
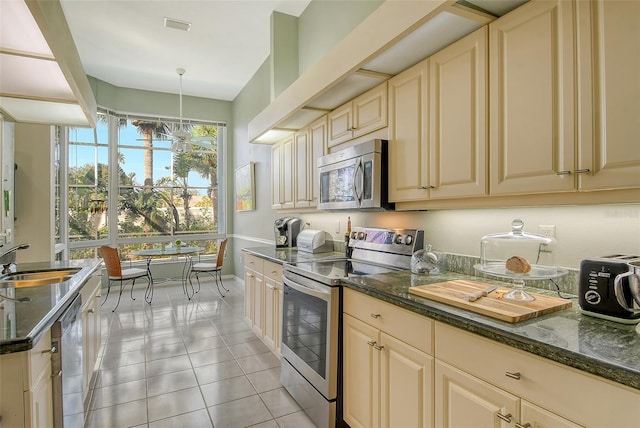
[(26, 387), (387, 379), (479, 382), (91, 330), (272, 336), (263, 300)]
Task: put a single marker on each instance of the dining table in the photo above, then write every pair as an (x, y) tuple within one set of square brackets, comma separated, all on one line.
[(171, 251)]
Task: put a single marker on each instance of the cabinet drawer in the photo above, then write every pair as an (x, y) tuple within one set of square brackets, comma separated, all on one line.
[(273, 271), (411, 328), (566, 391), (254, 263)]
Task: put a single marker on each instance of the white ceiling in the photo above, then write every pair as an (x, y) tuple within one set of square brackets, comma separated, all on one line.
[(124, 42)]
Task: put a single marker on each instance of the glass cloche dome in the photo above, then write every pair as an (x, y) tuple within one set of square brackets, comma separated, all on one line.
[(518, 255)]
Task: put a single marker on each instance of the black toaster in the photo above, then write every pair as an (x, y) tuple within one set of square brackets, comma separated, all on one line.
[(596, 291)]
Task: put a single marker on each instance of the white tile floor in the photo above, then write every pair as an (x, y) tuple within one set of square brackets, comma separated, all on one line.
[(181, 363)]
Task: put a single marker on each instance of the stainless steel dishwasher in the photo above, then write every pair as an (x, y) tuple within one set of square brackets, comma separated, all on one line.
[(66, 366)]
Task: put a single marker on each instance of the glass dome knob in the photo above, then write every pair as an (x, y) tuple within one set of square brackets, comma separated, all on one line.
[(517, 226)]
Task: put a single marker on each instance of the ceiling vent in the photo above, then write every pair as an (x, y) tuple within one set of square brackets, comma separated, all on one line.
[(176, 24)]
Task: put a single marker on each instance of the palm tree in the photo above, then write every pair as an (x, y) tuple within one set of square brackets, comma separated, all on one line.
[(148, 130)]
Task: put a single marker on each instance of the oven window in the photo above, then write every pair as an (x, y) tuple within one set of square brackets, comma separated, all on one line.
[(304, 328)]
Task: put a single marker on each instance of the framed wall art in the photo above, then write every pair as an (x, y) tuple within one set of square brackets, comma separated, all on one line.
[(245, 188)]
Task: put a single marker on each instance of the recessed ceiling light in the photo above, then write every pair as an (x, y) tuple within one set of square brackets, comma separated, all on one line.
[(177, 24)]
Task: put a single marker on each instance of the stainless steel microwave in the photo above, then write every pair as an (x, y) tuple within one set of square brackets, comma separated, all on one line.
[(355, 178)]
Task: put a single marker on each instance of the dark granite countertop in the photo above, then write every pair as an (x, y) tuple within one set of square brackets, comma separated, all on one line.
[(604, 348), (23, 323), (282, 256)]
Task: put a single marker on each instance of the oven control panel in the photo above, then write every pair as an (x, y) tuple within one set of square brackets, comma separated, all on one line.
[(395, 241)]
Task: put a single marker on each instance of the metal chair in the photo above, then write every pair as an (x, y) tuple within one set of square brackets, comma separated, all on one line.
[(116, 273), (213, 269)]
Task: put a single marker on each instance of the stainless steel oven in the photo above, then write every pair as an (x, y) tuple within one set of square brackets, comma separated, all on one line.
[(312, 312), (310, 345)]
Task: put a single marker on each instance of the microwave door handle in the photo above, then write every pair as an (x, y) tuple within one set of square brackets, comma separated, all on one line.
[(358, 179)]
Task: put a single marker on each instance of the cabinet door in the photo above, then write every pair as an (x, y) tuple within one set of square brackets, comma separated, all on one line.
[(276, 176), (609, 97), (257, 294), (540, 418), (318, 145), (370, 111), (463, 401), (288, 150), (532, 136), (271, 313), (406, 385), (249, 300), (340, 124), (39, 401), (458, 118), (302, 169), (360, 374), (408, 150)]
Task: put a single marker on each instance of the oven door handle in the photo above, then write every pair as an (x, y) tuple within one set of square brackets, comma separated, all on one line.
[(324, 295)]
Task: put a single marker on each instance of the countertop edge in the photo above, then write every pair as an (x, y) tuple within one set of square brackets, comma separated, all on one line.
[(28, 342)]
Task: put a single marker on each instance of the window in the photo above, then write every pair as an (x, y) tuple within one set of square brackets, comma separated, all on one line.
[(126, 186)]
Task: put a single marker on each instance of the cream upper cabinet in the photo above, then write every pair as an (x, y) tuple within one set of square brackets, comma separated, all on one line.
[(408, 149), (609, 97), (309, 144), (360, 116), (532, 126), (302, 168), (437, 125), (318, 145), (282, 157), (458, 119)]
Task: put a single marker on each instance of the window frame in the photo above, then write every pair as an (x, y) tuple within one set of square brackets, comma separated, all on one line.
[(65, 247)]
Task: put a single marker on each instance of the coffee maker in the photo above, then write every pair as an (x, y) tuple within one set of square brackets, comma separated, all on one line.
[(286, 230)]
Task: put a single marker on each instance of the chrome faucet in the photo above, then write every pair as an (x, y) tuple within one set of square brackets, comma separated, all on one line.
[(8, 257)]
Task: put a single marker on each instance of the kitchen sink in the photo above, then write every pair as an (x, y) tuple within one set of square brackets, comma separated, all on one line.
[(33, 279)]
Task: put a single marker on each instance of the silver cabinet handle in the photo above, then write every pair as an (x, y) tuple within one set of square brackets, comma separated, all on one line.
[(515, 375), (371, 343), (582, 171), (563, 173), (53, 350), (426, 187), (527, 425), (91, 311), (270, 287), (506, 418), (378, 347), (375, 315), (57, 374)]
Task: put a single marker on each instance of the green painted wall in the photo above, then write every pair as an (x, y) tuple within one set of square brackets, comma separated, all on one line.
[(325, 23)]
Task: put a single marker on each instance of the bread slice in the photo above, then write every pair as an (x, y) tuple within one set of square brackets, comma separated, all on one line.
[(517, 264)]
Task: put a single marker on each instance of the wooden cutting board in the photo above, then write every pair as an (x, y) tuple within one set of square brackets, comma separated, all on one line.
[(456, 293)]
